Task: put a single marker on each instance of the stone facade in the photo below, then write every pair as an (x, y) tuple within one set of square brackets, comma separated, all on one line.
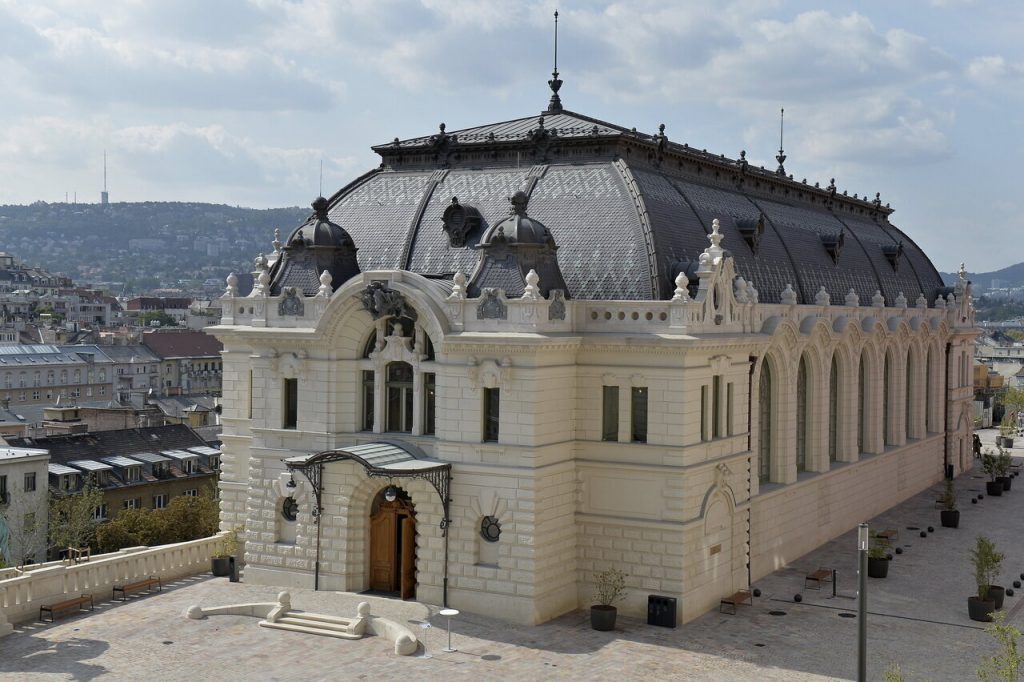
[(739, 435), (24, 506)]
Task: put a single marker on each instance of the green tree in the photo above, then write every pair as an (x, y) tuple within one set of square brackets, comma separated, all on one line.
[(1007, 664), (72, 517), (150, 316), (191, 518)]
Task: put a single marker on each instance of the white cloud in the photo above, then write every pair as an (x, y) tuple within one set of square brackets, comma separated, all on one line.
[(994, 70)]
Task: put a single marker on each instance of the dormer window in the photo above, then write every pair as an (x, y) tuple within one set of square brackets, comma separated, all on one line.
[(892, 254), (215, 463), (751, 231), (833, 244), (133, 474), (459, 221)]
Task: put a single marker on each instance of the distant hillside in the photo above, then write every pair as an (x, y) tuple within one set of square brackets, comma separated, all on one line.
[(1012, 276), (143, 245)]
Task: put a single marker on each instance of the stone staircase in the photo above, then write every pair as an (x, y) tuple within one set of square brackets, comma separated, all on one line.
[(318, 624)]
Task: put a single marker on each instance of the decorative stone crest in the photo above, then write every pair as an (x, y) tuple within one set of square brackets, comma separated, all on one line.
[(822, 298), (491, 306), (442, 144), (878, 300), (556, 311), (542, 139), (921, 302), (852, 299), (380, 301), (290, 303), (681, 295), (901, 301), (459, 221)]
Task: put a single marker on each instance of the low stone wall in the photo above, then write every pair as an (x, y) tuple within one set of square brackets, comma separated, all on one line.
[(21, 597)]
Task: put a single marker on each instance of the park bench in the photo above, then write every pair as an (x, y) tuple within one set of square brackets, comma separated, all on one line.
[(819, 576), (740, 597), (66, 605), (144, 584)]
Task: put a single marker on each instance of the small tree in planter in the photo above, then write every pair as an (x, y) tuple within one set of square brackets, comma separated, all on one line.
[(227, 547), (1007, 663), (950, 515), (878, 562), (609, 587), (986, 562), (990, 464), (1003, 462)]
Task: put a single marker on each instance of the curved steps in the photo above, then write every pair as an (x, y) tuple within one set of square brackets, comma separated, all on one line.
[(314, 624)]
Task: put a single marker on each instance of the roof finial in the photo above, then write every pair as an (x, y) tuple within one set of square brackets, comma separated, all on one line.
[(555, 104), (781, 157)]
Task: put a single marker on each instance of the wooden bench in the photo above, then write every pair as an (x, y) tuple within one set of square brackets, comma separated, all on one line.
[(66, 605), (819, 576), (741, 597), (144, 584)]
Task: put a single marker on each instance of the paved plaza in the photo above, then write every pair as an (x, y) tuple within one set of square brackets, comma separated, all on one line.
[(918, 618)]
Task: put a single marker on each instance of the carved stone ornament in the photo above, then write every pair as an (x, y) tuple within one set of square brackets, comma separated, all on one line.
[(290, 303), (232, 288), (788, 296), (491, 306), (878, 300), (556, 311), (901, 301), (458, 288), (822, 298), (852, 299), (921, 302), (380, 301)]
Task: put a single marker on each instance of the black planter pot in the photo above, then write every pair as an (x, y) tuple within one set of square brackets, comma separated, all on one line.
[(950, 518), (1007, 442), (220, 566), (1005, 480), (878, 568), (980, 610), (993, 488), (996, 594), (603, 617)]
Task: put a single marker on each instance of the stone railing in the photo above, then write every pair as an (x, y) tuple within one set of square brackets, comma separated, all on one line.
[(21, 596)]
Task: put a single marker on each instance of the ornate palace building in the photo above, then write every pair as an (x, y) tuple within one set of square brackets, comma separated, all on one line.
[(517, 354)]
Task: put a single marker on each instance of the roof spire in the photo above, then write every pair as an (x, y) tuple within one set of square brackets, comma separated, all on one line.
[(781, 156), (555, 104)]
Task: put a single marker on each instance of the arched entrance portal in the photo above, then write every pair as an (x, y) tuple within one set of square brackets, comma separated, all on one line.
[(393, 545)]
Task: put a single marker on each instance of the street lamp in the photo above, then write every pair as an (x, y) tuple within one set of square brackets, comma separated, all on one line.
[(863, 540)]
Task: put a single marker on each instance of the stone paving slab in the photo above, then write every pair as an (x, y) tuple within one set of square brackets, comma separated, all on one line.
[(918, 618)]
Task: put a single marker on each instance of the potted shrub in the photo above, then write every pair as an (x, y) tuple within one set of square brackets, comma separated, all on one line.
[(950, 515), (986, 562), (878, 562), (1003, 462), (990, 463), (1006, 430), (609, 587), (220, 562)]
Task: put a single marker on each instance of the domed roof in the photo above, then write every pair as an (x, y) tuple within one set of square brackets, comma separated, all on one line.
[(320, 231), (518, 228)]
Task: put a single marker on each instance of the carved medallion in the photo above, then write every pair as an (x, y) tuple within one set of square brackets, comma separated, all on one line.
[(491, 306), (290, 303), (556, 311), (380, 301)]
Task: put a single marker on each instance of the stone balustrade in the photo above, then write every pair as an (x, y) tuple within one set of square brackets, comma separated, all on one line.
[(21, 596)]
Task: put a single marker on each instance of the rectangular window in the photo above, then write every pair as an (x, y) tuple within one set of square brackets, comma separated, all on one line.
[(638, 412), (3, 490), (704, 413), (716, 410), (188, 466), (30, 482), (429, 402), (250, 391), (191, 493), (133, 473), (368, 400), (291, 403), (728, 409), (100, 513), (215, 463), (133, 503), (492, 409), (159, 501), (610, 413)]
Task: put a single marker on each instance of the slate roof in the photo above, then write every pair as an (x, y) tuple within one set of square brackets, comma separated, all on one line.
[(100, 445), (628, 210)]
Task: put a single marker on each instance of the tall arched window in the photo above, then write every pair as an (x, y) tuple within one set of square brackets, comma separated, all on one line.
[(764, 405), (910, 394), (886, 385), (400, 396), (862, 405), (929, 369), (802, 423), (833, 411)]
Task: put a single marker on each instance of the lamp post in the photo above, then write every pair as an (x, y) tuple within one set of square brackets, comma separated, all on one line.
[(862, 603)]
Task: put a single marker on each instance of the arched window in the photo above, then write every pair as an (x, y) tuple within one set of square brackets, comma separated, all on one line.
[(833, 411), (399, 397), (764, 404), (886, 385), (929, 369), (910, 394), (371, 344), (802, 423), (862, 405)]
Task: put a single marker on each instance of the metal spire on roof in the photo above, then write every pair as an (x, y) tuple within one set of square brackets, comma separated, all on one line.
[(781, 156), (555, 103)]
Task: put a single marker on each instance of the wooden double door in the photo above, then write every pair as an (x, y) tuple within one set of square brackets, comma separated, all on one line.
[(393, 549)]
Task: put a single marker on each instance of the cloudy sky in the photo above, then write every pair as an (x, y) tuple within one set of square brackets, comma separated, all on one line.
[(238, 101)]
